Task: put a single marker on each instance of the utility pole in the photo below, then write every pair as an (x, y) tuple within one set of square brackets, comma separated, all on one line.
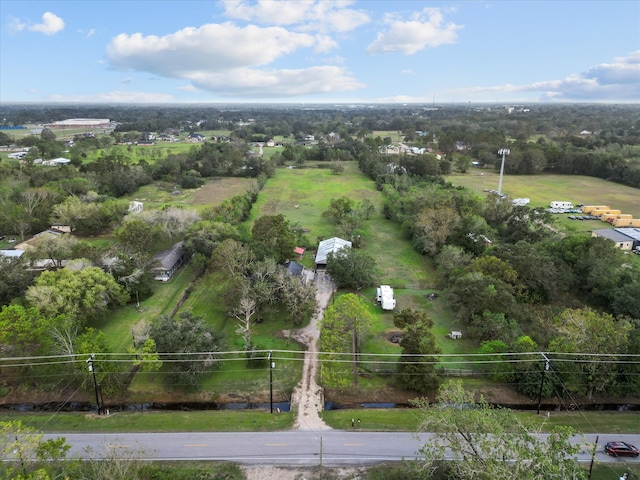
[(95, 382), (504, 152), (546, 367), (593, 454), (271, 366)]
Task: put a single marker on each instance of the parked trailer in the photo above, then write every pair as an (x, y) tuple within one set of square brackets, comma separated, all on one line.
[(627, 222), (384, 296), (591, 208), (610, 217), (565, 205), (599, 213)]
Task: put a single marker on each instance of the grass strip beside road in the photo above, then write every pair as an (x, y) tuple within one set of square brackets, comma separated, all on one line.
[(129, 422), (405, 419)]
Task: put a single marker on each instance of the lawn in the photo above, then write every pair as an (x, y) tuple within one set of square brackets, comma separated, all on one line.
[(213, 192), (302, 194), (374, 419), (543, 189), (121, 321)]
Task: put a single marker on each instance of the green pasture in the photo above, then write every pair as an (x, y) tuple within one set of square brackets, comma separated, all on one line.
[(162, 194), (302, 194), (233, 379), (543, 189), (395, 135), (118, 325)]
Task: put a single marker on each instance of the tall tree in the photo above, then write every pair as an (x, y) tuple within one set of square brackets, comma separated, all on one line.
[(273, 237), (489, 443), (351, 268), (417, 365), (26, 455), (342, 330), (590, 332), (15, 277), (81, 294), (188, 334)]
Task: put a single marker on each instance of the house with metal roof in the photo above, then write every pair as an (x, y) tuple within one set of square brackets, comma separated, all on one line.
[(633, 233), (330, 245), (622, 241), (169, 262)]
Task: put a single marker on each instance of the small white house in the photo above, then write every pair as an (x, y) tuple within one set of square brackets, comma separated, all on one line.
[(455, 334), (384, 296), (565, 205)]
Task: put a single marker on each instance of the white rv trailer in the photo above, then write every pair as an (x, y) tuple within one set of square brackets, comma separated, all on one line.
[(384, 296)]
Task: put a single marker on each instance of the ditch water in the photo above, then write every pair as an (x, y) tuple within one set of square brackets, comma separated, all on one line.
[(143, 407), (278, 407)]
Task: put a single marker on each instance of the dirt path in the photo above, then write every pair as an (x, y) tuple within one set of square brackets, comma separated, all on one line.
[(308, 397)]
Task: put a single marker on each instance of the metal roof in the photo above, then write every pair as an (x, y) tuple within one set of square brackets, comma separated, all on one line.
[(630, 232), (612, 234), (330, 245)]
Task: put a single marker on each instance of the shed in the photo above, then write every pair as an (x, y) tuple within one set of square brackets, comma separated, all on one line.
[(327, 246), (455, 334)]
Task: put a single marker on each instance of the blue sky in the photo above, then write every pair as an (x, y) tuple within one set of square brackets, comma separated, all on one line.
[(292, 51)]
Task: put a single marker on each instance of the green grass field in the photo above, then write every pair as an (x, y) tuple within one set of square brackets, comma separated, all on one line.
[(213, 192), (301, 195), (543, 189)]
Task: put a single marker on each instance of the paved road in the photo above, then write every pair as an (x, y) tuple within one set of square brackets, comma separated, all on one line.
[(290, 448)]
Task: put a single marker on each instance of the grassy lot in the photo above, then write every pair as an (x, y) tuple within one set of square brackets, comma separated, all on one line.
[(117, 327), (543, 189), (301, 195), (159, 194), (233, 381)]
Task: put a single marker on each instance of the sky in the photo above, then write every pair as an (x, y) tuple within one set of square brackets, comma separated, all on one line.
[(319, 51)]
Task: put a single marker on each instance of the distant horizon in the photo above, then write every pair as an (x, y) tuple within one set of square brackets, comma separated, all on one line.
[(321, 103)]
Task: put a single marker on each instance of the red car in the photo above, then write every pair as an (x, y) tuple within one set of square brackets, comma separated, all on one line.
[(621, 449)]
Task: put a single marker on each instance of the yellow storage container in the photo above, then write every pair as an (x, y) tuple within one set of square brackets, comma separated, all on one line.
[(591, 208), (627, 222)]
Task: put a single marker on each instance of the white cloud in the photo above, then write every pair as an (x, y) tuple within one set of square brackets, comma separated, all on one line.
[(210, 48), (15, 25), (247, 82), (616, 81), (113, 97), (423, 30), (231, 60), (307, 15), (51, 24), (89, 33)]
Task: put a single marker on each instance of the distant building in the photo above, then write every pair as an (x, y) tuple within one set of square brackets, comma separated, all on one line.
[(11, 253), (56, 162), (81, 122), (622, 241)]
